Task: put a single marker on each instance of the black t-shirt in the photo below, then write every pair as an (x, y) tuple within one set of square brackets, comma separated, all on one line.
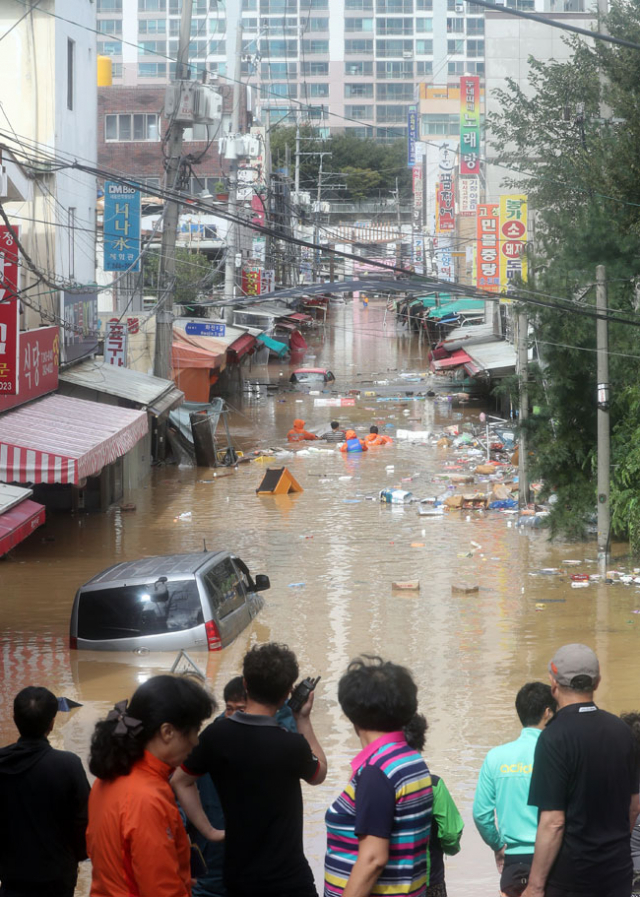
[(584, 765), (256, 766)]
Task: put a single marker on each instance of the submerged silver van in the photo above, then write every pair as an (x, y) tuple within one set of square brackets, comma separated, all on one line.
[(197, 601)]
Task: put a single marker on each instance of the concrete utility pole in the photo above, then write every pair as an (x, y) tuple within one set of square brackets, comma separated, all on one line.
[(523, 373), (316, 227), (602, 342), (233, 231), (167, 265), (399, 222)]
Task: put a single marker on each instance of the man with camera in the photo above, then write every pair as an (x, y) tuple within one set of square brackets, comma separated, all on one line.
[(256, 766)]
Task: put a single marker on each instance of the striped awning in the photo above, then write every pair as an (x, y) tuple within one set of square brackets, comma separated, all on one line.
[(62, 440)]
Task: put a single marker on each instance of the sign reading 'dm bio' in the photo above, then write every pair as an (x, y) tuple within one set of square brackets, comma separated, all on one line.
[(121, 227)]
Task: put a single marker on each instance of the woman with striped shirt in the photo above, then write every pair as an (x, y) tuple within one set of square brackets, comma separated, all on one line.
[(378, 829)]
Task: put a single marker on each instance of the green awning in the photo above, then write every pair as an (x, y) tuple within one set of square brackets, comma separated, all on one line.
[(273, 345), (424, 301), (454, 308)]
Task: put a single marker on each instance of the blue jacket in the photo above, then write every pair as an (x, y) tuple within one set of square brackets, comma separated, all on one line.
[(354, 445)]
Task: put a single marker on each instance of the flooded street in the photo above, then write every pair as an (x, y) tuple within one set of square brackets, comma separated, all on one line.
[(332, 555)]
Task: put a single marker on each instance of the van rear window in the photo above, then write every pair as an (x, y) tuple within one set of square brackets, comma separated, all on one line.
[(224, 589), (133, 611)]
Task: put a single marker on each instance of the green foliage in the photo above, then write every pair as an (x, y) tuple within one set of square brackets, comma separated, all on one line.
[(195, 275), (582, 174), (361, 182)]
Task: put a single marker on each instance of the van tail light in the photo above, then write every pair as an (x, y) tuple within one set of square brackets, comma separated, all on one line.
[(73, 642), (214, 642)]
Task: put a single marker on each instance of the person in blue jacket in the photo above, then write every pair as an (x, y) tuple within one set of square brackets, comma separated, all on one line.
[(353, 444), (501, 812)]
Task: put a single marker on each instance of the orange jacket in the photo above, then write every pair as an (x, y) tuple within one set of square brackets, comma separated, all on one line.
[(299, 434), (135, 838), (377, 439)]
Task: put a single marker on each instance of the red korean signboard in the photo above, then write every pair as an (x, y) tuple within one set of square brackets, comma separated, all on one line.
[(488, 247), (115, 343), (445, 202), (39, 360), (9, 345), (8, 262)]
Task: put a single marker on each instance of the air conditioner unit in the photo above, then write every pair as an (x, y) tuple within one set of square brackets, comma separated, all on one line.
[(460, 7), (408, 54)]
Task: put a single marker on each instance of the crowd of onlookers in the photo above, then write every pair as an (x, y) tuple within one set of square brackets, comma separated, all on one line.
[(175, 811)]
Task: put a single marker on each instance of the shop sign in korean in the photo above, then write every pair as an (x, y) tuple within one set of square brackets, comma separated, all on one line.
[(445, 191), (9, 271), (121, 227), (9, 346), (488, 247), (469, 194), (412, 135), (39, 361), (513, 241), (115, 343), (469, 124)]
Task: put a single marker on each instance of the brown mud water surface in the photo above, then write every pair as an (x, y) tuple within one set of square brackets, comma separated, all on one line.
[(333, 552)]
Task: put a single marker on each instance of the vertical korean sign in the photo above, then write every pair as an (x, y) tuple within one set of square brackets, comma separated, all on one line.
[(115, 343), (412, 135), (445, 192), (121, 227), (9, 312), (469, 124), (513, 242), (488, 248)]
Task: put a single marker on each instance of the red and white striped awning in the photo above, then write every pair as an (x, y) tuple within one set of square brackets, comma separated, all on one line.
[(62, 440)]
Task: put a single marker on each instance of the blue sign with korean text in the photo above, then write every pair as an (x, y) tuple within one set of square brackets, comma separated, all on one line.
[(121, 227), (205, 328), (412, 136)]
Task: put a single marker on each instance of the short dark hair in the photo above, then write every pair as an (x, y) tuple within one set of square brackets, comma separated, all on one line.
[(335, 424), (531, 702), (178, 700), (34, 709), (583, 684), (632, 719), (377, 695), (269, 672), (234, 690), (373, 429)]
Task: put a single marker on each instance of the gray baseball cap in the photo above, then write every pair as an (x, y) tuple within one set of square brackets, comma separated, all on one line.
[(574, 660)]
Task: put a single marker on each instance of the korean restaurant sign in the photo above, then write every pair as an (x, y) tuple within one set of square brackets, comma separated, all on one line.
[(115, 343), (9, 271), (445, 191), (513, 241), (469, 124), (121, 227), (469, 193), (488, 247), (39, 361), (9, 312)]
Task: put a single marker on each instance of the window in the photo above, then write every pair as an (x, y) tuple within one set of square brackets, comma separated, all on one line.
[(277, 113), (395, 26), (456, 68), (424, 25), (199, 133), (224, 589), (358, 47), (152, 5), (152, 69), (110, 48), (313, 4), (358, 68), (455, 47), (394, 70), (109, 5), (110, 26), (269, 70), (127, 126), (71, 216), (116, 70), (316, 24), (153, 183), (394, 113), (358, 90), (152, 26), (278, 6), (394, 7), (200, 7), (276, 89), (475, 48), (317, 112), (397, 92), (394, 48), (317, 90), (440, 123), (279, 48), (134, 611), (358, 4), (250, 24), (475, 26), (215, 48), (424, 5), (358, 24), (152, 48), (455, 26), (317, 69), (359, 112), (219, 26), (475, 68), (424, 68), (314, 46), (71, 60), (424, 48), (250, 5)]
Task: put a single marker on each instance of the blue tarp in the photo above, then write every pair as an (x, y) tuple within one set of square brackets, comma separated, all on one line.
[(273, 345)]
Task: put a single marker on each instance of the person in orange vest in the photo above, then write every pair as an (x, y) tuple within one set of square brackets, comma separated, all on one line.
[(353, 444), (374, 438), (299, 434)]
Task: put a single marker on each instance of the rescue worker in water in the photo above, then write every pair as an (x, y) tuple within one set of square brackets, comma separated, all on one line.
[(299, 434), (373, 437), (353, 444)]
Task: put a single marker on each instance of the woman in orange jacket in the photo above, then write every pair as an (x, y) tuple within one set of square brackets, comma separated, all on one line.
[(299, 434), (353, 444), (136, 840), (374, 438)]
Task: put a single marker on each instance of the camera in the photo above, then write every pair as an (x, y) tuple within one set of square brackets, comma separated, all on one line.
[(300, 694)]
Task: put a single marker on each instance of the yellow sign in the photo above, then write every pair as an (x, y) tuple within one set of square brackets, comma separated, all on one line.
[(513, 243)]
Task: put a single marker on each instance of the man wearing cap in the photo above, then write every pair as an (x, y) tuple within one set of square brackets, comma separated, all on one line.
[(585, 786)]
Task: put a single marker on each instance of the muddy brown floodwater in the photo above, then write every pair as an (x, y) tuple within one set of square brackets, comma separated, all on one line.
[(469, 652)]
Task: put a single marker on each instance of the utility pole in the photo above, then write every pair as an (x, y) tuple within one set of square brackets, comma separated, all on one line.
[(297, 162), (316, 227), (523, 373), (233, 229), (399, 221), (167, 264), (602, 343)]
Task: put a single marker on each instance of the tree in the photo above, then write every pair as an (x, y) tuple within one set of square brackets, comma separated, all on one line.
[(361, 182), (581, 173), (195, 276)]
